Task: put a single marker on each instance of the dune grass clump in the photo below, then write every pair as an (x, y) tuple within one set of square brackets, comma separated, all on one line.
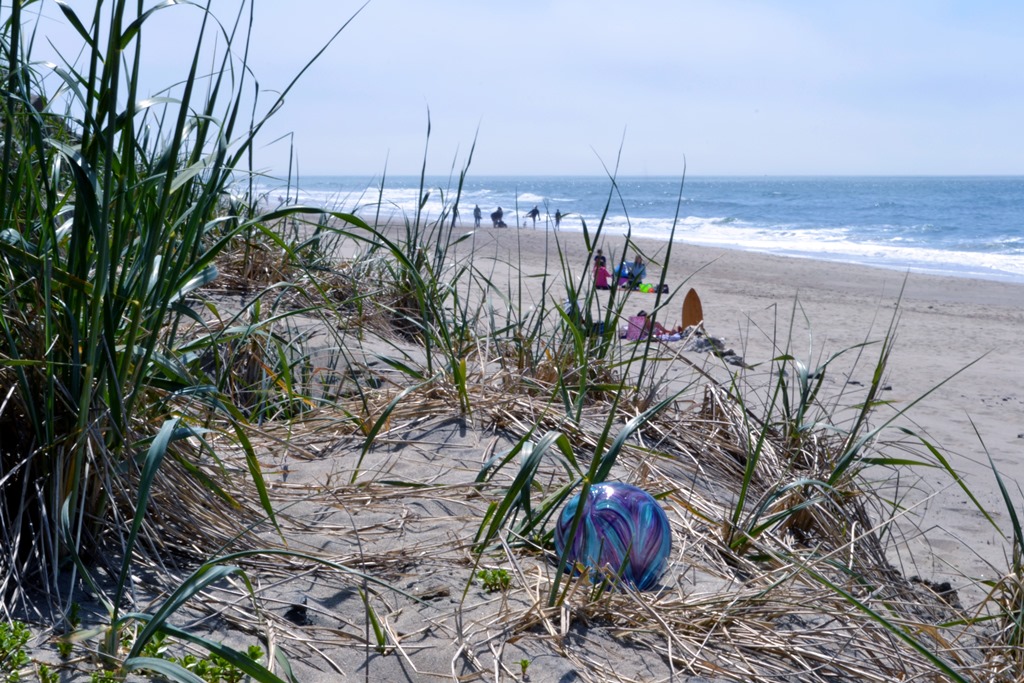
[(105, 242), (114, 215)]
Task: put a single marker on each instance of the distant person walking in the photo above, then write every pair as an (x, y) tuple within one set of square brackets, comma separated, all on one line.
[(534, 214), (558, 218), (477, 215)]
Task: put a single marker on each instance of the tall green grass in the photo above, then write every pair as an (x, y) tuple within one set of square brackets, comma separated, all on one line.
[(114, 209)]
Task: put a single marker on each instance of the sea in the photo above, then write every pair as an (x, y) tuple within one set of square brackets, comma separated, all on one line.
[(971, 227)]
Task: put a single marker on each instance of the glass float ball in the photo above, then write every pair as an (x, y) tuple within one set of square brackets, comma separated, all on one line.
[(623, 531)]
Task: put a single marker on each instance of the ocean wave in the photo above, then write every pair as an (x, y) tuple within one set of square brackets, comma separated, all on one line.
[(834, 245)]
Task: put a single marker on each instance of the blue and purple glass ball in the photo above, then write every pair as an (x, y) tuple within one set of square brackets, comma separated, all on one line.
[(623, 531)]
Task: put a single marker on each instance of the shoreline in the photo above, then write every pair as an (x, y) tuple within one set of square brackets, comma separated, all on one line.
[(1004, 290), (941, 270)]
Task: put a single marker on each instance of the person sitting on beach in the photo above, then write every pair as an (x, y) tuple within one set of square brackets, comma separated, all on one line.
[(534, 214), (623, 272), (599, 259), (646, 324), (496, 218), (659, 331), (477, 215), (637, 272)]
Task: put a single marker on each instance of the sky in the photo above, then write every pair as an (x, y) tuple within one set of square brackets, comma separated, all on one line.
[(652, 87)]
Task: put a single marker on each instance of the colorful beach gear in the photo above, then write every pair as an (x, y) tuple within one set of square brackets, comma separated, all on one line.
[(622, 532)]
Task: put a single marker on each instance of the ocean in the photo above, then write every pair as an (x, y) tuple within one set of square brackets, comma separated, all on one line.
[(969, 227)]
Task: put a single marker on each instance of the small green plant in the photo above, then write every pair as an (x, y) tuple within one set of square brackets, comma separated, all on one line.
[(215, 669), (212, 668), (64, 648), (75, 615), (494, 580), (13, 657), (14, 662), (48, 675), (156, 647), (524, 664)]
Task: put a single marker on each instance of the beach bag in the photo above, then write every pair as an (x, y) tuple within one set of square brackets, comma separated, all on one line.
[(637, 324)]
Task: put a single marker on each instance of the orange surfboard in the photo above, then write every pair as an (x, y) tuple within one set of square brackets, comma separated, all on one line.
[(693, 313)]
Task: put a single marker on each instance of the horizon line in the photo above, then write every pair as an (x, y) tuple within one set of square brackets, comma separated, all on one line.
[(660, 175)]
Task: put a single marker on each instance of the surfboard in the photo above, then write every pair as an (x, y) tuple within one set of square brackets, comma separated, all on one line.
[(693, 313)]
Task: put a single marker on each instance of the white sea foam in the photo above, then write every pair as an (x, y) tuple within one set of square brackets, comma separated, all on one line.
[(829, 244)]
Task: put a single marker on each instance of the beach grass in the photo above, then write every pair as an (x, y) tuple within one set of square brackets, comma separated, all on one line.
[(179, 362), (115, 210)]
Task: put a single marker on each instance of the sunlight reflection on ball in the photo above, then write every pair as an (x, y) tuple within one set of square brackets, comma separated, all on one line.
[(620, 522)]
